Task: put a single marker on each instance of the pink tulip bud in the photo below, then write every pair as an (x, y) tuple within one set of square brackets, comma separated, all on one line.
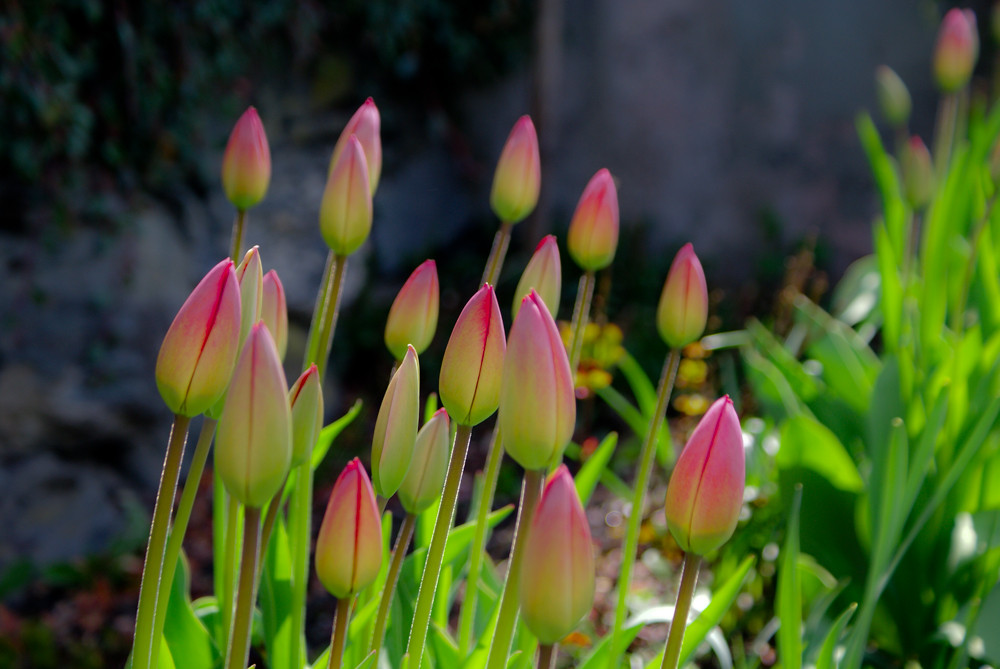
[(956, 50), (683, 309), (414, 313), (306, 400), (918, 172), (199, 350), (469, 384), (345, 215), (366, 126), (519, 174), (557, 575), (349, 546), (396, 426), (274, 311), (246, 165), (424, 479), (537, 401), (893, 96), (593, 232), (253, 444), (250, 274), (706, 487), (544, 274)]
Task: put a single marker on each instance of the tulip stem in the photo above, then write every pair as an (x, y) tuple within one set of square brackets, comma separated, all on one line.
[(232, 542), (246, 593), (547, 655), (179, 527), (945, 127), (300, 523), (467, 616), (497, 254), (689, 577), (325, 316), (339, 638), (152, 569), (509, 599), (398, 553), (435, 552), (631, 542), (273, 509), (239, 227), (581, 316)]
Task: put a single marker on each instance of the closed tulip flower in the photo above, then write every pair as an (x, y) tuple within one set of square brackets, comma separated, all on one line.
[(396, 426), (424, 479), (593, 232), (683, 309), (705, 492), (246, 165), (517, 180), (349, 546), (893, 96), (544, 274), (253, 445), (366, 126), (956, 50), (274, 311), (250, 274), (199, 350), (306, 400), (557, 575), (345, 214), (469, 384), (414, 313), (537, 402)]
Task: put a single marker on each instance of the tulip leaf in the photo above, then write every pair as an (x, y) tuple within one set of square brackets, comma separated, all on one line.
[(183, 633), (368, 662), (605, 656), (826, 652), (722, 601), (459, 539), (590, 473), (805, 442), (329, 433), (276, 594), (790, 592), (442, 646)]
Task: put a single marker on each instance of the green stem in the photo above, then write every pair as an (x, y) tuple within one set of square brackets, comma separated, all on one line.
[(689, 576), (229, 557), (339, 638), (179, 526), (581, 316), (246, 594), (435, 552), (323, 297), (467, 616), (320, 352), (944, 136), (497, 253), (509, 600), (958, 311), (273, 508), (398, 553), (152, 569), (239, 228), (631, 542), (547, 655), (300, 522)]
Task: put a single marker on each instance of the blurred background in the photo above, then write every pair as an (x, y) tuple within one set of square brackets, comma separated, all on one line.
[(726, 123)]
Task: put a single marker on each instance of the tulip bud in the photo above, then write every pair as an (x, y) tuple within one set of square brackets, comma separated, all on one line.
[(199, 350), (414, 313), (469, 384), (253, 445), (893, 96), (366, 126), (593, 232), (557, 574), (424, 480), (918, 173), (544, 274), (706, 487), (683, 309), (306, 400), (537, 401), (396, 426), (246, 165), (519, 174), (274, 311), (349, 546), (956, 50), (250, 274), (345, 215)]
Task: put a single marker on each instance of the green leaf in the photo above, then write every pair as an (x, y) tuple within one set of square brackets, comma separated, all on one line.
[(459, 539), (805, 442), (826, 652), (183, 633), (790, 593), (276, 595), (329, 433), (368, 662), (590, 473), (605, 656), (891, 293), (805, 385), (886, 179), (444, 648), (722, 601)]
